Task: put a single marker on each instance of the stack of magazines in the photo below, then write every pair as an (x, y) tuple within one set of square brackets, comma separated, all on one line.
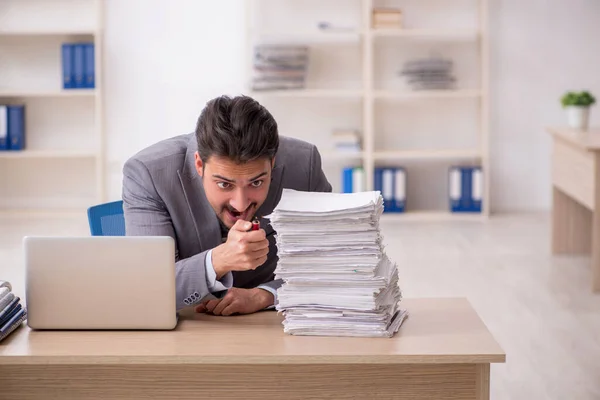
[(279, 67), (12, 312), (337, 278)]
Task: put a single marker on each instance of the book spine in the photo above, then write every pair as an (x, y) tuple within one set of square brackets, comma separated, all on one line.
[(16, 127), (89, 66), (67, 66), (400, 189), (3, 127), (78, 65)]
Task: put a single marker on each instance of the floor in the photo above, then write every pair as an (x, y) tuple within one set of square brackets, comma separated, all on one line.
[(539, 308)]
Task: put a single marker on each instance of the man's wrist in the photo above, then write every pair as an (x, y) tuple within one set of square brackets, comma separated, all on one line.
[(217, 262), (266, 298)]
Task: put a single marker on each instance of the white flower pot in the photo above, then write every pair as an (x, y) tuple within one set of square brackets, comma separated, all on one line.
[(578, 117)]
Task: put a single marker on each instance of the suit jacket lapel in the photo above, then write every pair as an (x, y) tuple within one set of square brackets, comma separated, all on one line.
[(201, 212)]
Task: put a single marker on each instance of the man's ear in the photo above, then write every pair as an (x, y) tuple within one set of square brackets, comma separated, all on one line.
[(199, 164), (273, 162)]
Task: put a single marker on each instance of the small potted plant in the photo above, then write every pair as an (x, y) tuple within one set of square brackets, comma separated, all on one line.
[(577, 106)]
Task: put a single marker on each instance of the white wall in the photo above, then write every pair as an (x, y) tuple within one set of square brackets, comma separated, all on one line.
[(540, 48), (165, 59)]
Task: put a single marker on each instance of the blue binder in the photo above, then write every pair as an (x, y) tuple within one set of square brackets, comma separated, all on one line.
[(3, 127), (89, 66), (353, 180), (16, 127), (391, 182), (347, 180), (67, 66), (399, 190), (79, 65), (465, 189)]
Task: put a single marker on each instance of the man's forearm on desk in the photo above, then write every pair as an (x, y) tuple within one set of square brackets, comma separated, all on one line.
[(272, 287), (194, 283)]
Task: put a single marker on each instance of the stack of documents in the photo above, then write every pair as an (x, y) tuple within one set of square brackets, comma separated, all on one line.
[(12, 313), (337, 279)]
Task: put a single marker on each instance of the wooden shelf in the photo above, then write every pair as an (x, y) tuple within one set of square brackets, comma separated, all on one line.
[(444, 34), (48, 93), (42, 213), (426, 154), (58, 32), (431, 216), (21, 154), (380, 103), (340, 155), (428, 94), (309, 37), (310, 93)]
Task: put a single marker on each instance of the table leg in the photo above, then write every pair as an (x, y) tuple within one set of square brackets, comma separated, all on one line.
[(483, 381), (596, 227), (571, 225)]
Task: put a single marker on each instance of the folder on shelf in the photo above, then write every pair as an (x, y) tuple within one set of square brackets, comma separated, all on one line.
[(353, 180), (67, 66), (78, 65), (465, 189), (16, 127), (3, 127), (89, 66), (391, 182)]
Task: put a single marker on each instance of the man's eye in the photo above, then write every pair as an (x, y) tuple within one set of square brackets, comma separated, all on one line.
[(257, 183), (223, 185)]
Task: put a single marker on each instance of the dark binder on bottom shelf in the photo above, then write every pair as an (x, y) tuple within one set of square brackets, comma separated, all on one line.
[(465, 189), (391, 182), (16, 127)]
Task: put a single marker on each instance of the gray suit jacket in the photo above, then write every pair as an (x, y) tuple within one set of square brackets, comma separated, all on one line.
[(163, 195)]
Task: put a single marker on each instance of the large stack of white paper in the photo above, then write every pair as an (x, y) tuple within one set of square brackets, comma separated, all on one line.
[(338, 281)]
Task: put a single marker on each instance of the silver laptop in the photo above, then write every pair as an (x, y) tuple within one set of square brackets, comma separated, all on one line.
[(100, 282)]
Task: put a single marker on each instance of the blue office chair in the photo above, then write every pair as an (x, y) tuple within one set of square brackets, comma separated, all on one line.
[(107, 219)]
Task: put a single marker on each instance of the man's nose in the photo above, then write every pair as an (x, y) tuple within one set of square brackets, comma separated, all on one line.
[(240, 200)]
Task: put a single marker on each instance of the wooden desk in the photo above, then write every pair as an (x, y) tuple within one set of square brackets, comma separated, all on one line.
[(443, 351), (576, 195)]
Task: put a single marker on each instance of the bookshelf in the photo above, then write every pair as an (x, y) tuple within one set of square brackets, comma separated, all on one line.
[(61, 169), (352, 82)]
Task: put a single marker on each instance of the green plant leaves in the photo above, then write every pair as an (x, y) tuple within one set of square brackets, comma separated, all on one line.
[(582, 99)]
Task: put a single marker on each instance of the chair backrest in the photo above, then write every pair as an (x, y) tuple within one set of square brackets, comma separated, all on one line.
[(107, 219)]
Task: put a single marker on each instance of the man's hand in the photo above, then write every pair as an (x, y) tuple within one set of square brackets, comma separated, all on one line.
[(243, 250), (238, 301)]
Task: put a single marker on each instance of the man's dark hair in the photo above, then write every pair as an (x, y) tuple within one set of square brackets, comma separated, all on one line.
[(238, 128)]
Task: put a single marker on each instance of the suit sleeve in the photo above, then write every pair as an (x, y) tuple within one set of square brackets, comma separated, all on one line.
[(317, 182), (147, 215)]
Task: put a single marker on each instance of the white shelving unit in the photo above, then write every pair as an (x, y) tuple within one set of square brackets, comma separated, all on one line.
[(353, 82), (61, 170)]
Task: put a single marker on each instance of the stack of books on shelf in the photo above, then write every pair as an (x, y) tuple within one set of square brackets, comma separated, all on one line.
[(346, 140), (429, 74), (386, 18), (279, 67), (337, 277), (12, 127), (78, 68), (12, 312)]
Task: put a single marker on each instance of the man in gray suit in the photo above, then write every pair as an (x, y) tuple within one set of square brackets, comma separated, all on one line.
[(203, 188)]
